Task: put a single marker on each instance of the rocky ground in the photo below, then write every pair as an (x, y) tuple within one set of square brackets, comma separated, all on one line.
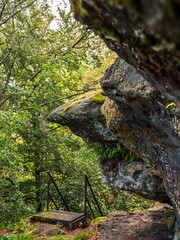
[(137, 225)]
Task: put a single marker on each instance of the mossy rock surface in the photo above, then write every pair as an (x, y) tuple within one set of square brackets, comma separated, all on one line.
[(84, 117), (99, 220), (96, 96)]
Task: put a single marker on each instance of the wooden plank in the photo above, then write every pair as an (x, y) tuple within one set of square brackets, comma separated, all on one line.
[(69, 219), (74, 224)]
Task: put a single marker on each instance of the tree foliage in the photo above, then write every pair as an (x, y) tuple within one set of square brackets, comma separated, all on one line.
[(40, 69)]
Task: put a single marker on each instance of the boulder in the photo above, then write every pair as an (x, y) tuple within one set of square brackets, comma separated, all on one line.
[(84, 117), (139, 117), (136, 176)]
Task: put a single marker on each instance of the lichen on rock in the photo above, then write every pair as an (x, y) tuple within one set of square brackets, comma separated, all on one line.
[(136, 176)]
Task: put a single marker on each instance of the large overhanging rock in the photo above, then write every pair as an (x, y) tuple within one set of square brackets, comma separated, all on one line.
[(85, 116), (139, 116), (146, 35), (136, 176)]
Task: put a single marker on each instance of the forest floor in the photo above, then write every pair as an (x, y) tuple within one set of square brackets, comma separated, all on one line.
[(120, 225), (42, 231), (50, 231)]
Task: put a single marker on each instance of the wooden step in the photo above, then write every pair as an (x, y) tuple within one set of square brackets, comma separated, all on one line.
[(68, 219)]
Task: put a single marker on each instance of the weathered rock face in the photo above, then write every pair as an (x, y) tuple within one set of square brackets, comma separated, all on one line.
[(83, 116), (145, 34), (140, 86), (136, 176), (138, 118), (138, 225)]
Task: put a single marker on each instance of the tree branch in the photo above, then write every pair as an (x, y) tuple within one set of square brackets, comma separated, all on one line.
[(6, 56), (59, 99), (34, 76), (6, 85), (7, 81), (80, 39), (2, 10), (17, 13), (17, 5), (23, 84), (5, 100), (47, 103), (10, 180)]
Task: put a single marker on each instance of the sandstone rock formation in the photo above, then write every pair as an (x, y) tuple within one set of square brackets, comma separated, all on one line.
[(143, 85), (145, 34), (85, 116), (137, 225), (137, 116), (136, 176)]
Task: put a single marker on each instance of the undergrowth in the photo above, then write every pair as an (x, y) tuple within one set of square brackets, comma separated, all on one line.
[(83, 236), (112, 153)]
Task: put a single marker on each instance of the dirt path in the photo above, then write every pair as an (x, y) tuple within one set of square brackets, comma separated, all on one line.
[(47, 231)]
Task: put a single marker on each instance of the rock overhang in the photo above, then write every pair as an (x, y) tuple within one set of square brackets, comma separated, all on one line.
[(84, 117), (149, 42)]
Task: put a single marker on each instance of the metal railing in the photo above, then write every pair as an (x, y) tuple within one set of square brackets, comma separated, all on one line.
[(86, 201), (49, 195)]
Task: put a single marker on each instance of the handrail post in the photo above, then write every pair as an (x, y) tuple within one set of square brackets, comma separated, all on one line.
[(93, 195), (53, 201), (85, 195), (58, 190), (90, 208), (48, 193)]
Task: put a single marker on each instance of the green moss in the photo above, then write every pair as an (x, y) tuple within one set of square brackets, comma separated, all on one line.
[(78, 8), (43, 214), (71, 106), (125, 132), (178, 236), (94, 96), (112, 3), (128, 2), (132, 3), (83, 12), (109, 34), (121, 129), (99, 220), (98, 97), (145, 40)]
